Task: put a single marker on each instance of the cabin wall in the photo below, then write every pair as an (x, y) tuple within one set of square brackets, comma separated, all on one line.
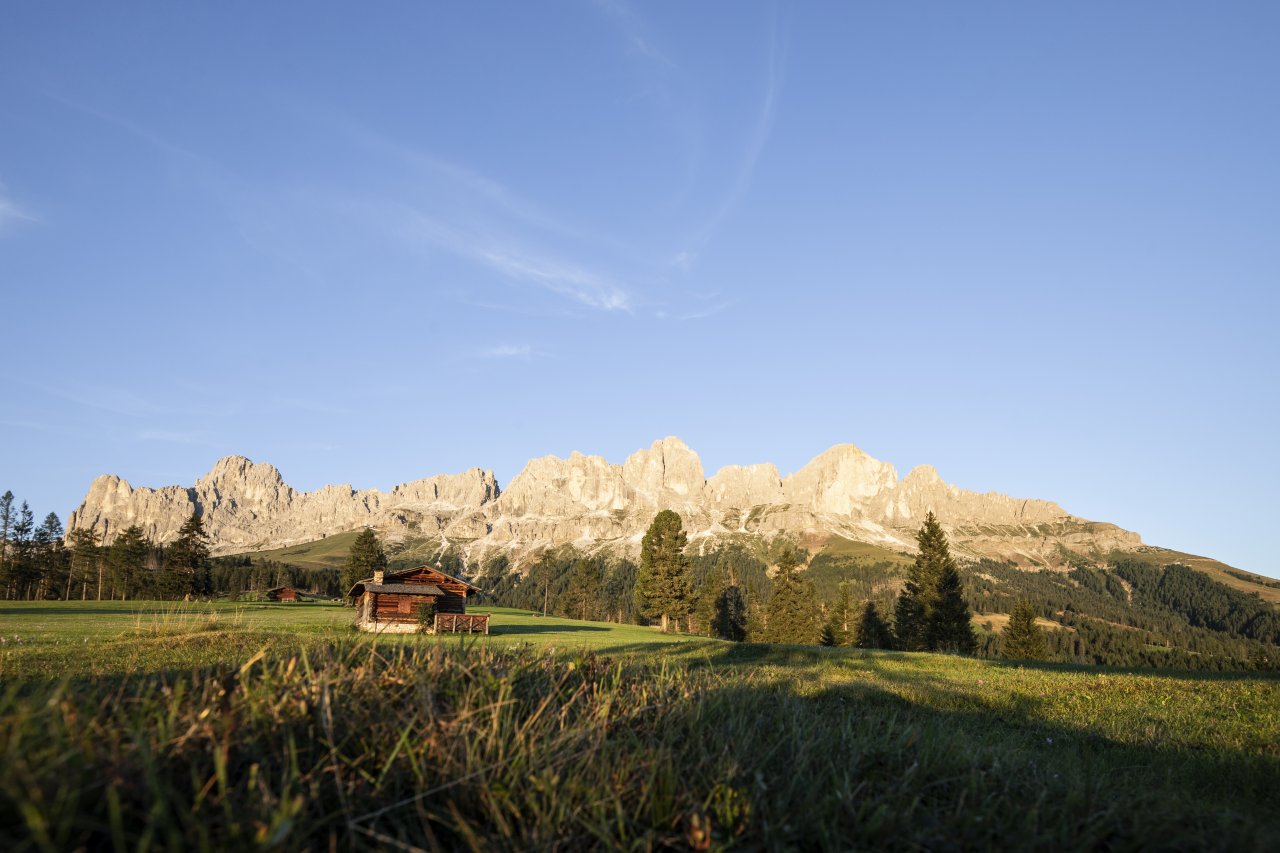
[(382, 612), (395, 607)]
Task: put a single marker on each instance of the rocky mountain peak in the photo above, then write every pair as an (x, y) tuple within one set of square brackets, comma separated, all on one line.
[(839, 480), (594, 504), (667, 474), (923, 475)]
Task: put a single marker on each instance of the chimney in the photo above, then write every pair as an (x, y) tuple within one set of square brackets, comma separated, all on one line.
[(378, 575)]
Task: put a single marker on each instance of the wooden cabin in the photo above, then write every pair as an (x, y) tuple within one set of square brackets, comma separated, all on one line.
[(390, 602), (283, 593)]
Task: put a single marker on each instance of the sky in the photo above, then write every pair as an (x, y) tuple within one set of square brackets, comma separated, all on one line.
[(1033, 245)]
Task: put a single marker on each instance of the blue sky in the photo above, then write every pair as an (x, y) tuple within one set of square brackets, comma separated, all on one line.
[(1033, 245)]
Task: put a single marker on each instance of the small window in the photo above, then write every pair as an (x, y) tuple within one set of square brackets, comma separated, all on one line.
[(405, 604)]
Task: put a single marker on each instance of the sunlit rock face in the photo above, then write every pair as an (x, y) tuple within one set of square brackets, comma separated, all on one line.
[(593, 504)]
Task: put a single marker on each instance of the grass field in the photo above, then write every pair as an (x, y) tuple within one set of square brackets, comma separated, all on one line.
[(327, 553), (839, 546), (275, 726), (73, 639)]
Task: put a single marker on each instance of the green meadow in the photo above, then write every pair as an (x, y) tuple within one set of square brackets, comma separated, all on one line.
[(130, 725)]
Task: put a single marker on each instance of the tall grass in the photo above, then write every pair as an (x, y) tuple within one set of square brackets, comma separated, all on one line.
[(173, 619), (456, 746)]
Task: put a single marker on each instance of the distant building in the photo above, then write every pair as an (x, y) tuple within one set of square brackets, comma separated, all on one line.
[(390, 602), (283, 593)]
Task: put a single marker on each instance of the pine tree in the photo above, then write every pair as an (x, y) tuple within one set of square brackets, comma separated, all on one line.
[(872, 632), (127, 558), (187, 566), (1022, 638), (950, 621), (365, 557), (931, 613), (50, 561), (585, 582), (6, 532), (662, 588), (83, 563), (22, 550), (731, 616), (704, 608), (793, 614), (837, 628), (908, 616)]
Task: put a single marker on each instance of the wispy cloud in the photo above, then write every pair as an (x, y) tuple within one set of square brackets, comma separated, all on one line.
[(122, 401), (464, 184), (11, 213), (758, 136), (309, 406), (633, 29), (524, 352), (585, 286)]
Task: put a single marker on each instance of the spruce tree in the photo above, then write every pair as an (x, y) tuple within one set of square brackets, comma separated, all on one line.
[(1022, 638), (908, 616), (6, 532), (187, 568), (872, 632), (837, 628), (793, 614), (127, 557), (731, 617), (950, 622), (22, 550), (713, 586), (931, 613), (84, 561), (50, 561), (663, 590), (585, 584), (365, 557)]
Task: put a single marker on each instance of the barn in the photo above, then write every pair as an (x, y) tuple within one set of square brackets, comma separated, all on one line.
[(283, 593), (390, 602)]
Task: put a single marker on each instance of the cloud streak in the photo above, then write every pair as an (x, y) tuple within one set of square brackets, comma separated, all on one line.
[(11, 213), (507, 257), (523, 352), (758, 136)]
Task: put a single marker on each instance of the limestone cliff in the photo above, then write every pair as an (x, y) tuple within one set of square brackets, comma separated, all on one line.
[(594, 504), (247, 506)]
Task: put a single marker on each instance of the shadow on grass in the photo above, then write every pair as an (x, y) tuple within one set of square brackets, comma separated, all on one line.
[(543, 629), (851, 764), (722, 653), (855, 765)]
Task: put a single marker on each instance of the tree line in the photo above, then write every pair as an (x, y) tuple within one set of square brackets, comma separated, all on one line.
[(41, 563), (32, 559), (730, 594), (1128, 612)]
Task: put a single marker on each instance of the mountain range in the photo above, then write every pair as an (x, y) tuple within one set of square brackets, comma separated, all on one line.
[(594, 505)]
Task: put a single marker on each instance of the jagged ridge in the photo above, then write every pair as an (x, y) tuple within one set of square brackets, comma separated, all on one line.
[(591, 503)]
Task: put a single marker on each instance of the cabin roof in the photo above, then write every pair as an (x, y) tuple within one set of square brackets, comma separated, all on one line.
[(402, 588), (412, 569), (280, 588), (421, 589)]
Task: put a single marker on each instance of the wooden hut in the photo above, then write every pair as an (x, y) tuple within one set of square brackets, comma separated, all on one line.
[(283, 593), (391, 601)]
